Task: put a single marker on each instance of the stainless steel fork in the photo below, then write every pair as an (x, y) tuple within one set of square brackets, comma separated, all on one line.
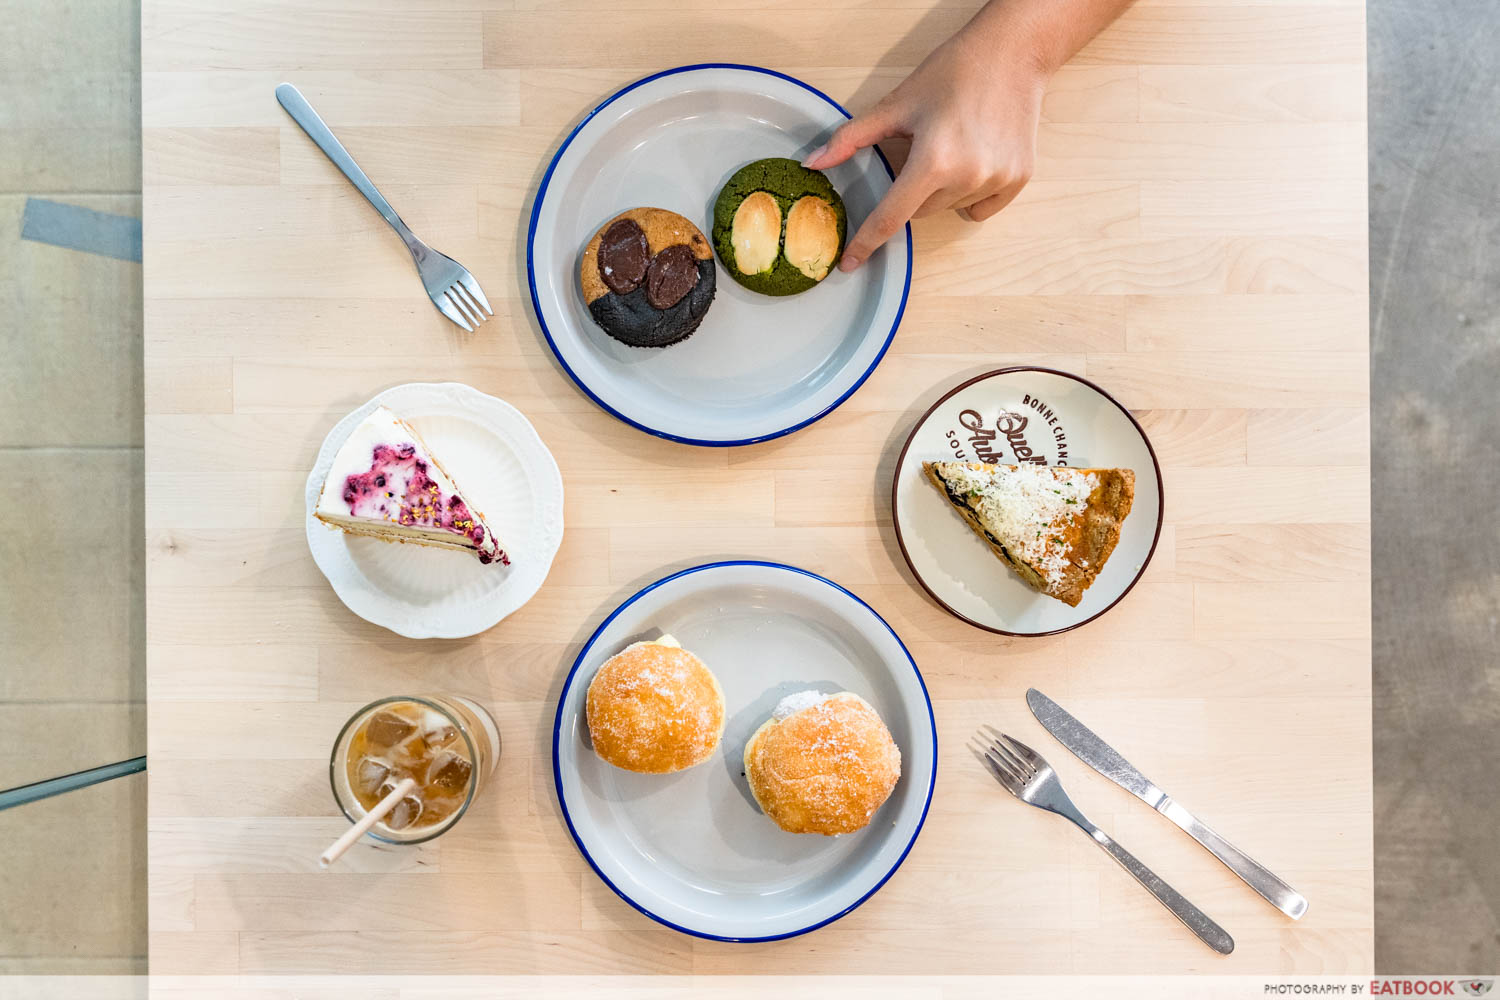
[(450, 286), (1025, 774)]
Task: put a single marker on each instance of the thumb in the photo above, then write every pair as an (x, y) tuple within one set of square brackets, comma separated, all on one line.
[(851, 137)]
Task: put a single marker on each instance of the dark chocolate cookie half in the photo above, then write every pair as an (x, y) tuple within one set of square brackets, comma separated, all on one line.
[(648, 277)]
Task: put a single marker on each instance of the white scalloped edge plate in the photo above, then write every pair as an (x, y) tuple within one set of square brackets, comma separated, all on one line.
[(502, 468)]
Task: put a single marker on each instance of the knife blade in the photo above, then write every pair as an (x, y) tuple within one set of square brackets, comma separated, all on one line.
[(1108, 761)]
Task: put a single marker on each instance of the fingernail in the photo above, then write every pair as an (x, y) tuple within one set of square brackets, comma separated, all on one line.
[(815, 154), (849, 262)]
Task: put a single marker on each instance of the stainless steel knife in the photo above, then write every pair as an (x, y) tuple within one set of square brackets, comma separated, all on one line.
[(1107, 761)]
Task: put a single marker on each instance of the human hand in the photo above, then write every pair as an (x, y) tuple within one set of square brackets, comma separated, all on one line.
[(971, 110)]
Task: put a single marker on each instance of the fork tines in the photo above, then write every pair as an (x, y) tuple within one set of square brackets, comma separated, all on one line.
[(463, 302), (1010, 760)]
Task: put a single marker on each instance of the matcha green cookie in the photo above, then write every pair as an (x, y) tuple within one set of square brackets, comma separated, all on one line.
[(779, 227)]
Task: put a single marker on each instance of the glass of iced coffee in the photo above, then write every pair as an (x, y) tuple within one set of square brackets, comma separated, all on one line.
[(446, 744)]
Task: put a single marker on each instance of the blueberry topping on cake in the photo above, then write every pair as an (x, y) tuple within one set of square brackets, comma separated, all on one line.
[(389, 486)]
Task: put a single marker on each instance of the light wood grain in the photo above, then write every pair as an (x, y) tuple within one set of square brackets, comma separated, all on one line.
[(1250, 93), (1194, 241)]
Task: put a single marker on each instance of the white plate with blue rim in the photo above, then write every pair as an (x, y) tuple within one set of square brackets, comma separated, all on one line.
[(692, 850), (758, 366)]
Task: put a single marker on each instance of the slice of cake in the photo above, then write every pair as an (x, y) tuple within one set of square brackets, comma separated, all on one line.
[(385, 483), (1054, 526)]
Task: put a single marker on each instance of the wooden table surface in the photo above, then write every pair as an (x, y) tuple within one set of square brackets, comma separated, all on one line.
[(1194, 241)]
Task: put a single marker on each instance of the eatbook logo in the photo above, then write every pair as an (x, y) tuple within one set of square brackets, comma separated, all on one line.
[(1011, 438), (1477, 987)]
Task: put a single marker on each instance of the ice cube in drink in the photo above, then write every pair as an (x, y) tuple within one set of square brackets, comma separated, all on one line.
[(387, 728), (369, 777), (449, 773), (404, 813)]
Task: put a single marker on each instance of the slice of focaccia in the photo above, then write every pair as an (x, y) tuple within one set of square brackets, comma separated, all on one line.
[(1054, 526)]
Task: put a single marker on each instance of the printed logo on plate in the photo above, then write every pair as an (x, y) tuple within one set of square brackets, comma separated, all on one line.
[(1031, 433), (1477, 987)]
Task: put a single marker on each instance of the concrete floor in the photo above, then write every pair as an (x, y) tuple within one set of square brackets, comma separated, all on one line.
[(70, 405), (1435, 433), (72, 615)]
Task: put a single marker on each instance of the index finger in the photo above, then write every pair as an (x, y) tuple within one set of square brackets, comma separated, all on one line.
[(911, 189)]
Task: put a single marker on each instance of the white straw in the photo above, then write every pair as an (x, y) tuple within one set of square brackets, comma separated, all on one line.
[(338, 847)]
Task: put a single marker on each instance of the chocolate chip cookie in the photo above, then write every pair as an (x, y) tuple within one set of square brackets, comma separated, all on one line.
[(648, 277)]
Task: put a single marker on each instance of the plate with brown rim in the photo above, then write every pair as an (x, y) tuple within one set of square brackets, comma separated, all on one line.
[(1013, 416)]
